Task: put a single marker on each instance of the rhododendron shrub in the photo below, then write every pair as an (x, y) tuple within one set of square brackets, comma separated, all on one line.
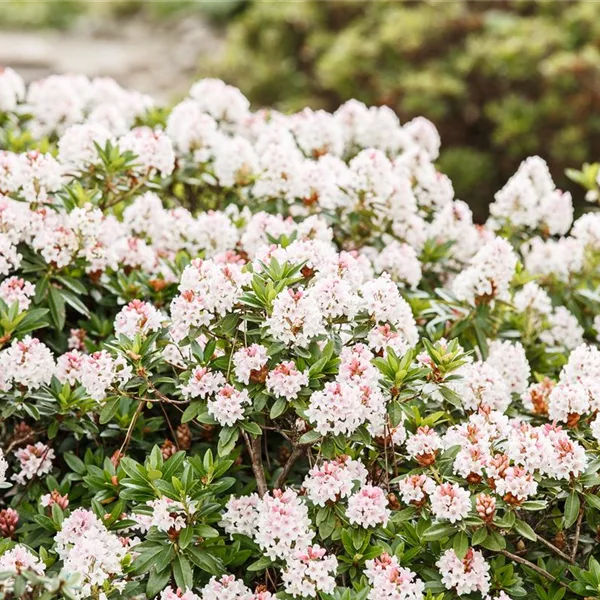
[(247, 356)]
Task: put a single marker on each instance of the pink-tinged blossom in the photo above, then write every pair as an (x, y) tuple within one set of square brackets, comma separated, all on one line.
[(16, 289), (309, 572), (390, 581), (26, 363), (222, 102), (35, 460), (285, 381), (337, 409), (424, 445), (383, 302), (153, 150), (193, 131), (87, 548), (39, 176), (560, 258), (100, 371), (283, 526), (470, 462), (415, 489), (471, 574), (334, 480), (54, 497), (137, 317), (69, 367), (488, 275), (226, 587), (10, 259), (508, 358), (450, 502), (516, 485), (295, 319), (57, 244), (530, 199), (567, 458), (568, 399), (356, 367), (178, 594), (402, 264), (368, 507), (241, 515), (481, 385), (77, 146), (16, 561), (248, 362), (12, 89), (227, 405), (203, 383), (169, 514)]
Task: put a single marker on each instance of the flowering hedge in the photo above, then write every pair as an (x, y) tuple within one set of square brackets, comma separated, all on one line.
[(252, 356)]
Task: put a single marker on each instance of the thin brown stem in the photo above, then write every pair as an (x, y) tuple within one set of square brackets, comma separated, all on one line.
[(577, 535), (254, 449), (129, 433), (554, 549), (532, 566), (173, 435), (297, 452)]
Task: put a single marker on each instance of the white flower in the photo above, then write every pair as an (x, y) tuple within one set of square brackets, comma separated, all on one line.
[(368, 507), (450, 502), (471, 574)]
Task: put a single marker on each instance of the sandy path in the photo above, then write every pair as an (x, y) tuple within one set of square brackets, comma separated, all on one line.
[(159, 59)]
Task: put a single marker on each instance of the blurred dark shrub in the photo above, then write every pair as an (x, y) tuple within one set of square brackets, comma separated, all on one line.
[(501, 80)]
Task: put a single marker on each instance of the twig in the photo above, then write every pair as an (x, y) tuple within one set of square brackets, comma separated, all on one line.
[(129, 433), (532, 566), (297, 452), (174, 436), (577, 534), (554, 549), (255, 451)]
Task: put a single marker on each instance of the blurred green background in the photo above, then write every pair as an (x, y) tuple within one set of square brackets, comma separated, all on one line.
[(501, 80)]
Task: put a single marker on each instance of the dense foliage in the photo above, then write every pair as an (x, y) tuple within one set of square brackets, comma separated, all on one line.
[(501, 80), (247, 356), (66, 14)]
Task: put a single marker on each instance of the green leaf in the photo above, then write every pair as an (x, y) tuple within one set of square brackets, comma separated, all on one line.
[(185, 537), (593, 501), (278, 408), (206, 561), (182, 571), (571, 509), (109, 410), (525, 530), (460, 544), (190, 412), (494, 541), (227, 439), (310, 437), (157, 581), (75, 463), (439, 531), (56, 304), (251, 427), (261, 564), (479, 536), (72, 300)]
